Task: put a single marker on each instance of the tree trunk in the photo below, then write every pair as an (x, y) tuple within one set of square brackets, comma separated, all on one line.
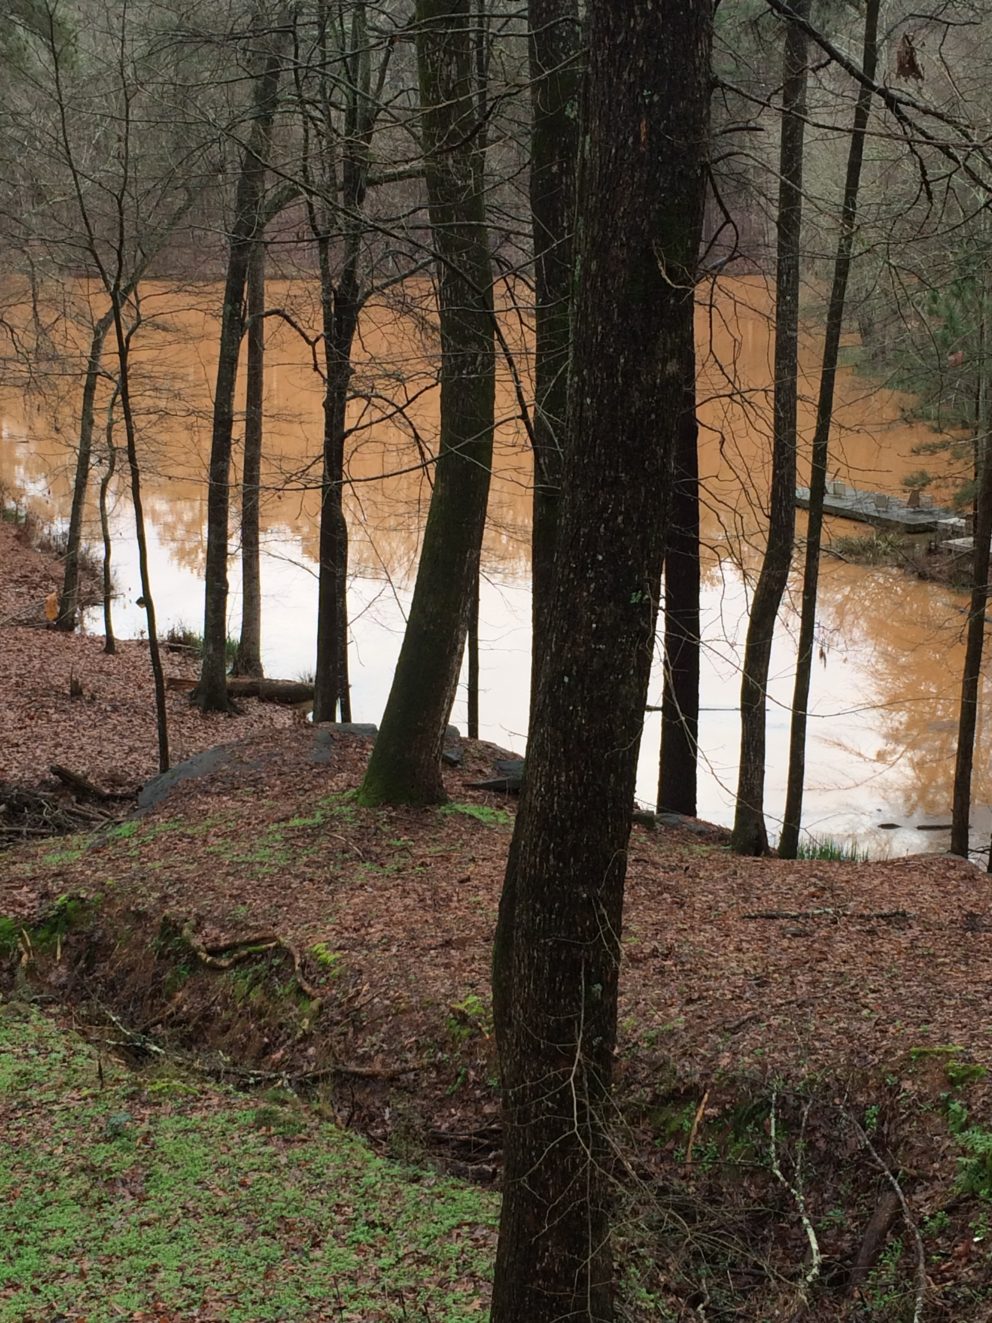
[(971, 676), (472, 714), (340, 313), (68, 615), (749, 834), (341, 305), (405, 762), (211, 693), (680, 702), (558, 941), (248, 659), (109, 642), (555, 83), (124, 386), (789, 841)]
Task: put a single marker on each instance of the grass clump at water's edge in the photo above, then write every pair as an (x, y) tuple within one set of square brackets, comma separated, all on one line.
[(871, 548), (191, 1199), (825, 847), (185, 638)]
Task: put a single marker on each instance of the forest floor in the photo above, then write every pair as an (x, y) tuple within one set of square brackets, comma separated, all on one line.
[(805, 1113), (107, 732)]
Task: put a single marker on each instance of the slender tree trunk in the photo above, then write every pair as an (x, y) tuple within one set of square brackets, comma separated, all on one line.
[(473, 665), (405, 762), (341, 305), (680, 701), (555, 82), (109, 642), (68, 615), (211, 693), (749, 834), (789, 841), (124, 386), (248, 659), (557, 953), (340, 313), (971, 677)]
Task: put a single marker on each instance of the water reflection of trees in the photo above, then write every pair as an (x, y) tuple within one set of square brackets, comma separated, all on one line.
[(393, 420), (906, 637), (903, 635), (394, 425)]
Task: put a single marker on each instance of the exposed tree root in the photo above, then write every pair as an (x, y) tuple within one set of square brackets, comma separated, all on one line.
[(225, 955)]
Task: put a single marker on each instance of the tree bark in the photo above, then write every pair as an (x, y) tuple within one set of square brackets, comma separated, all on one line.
[(405, 762), (248, 659), (558, 942), (789, 840), (971, 676), (109, 642), (211, 693), (749, 834), (680, 701), (123, 339), (68, 616), (472, 715), (555, 83), (341, 304)]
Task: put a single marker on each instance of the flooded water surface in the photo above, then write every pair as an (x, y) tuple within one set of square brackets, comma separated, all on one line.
[(886, 683)]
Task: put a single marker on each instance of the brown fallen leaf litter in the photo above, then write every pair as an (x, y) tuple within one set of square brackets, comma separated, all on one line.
[(107, 734), (373, 928)]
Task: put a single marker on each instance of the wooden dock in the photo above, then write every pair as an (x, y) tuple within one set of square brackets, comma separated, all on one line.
[(884, 511)]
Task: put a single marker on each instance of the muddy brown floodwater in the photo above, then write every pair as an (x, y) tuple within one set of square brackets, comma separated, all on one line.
[(885, 689)]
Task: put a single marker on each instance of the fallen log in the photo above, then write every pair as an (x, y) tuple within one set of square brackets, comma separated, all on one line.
[(873, 1241), (243, 686), (81, 785)]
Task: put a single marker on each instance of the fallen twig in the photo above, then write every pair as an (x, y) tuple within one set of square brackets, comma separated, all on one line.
[(134, 1038), (829, 913), (907, 1217), (817, 1257), (695, 1129)]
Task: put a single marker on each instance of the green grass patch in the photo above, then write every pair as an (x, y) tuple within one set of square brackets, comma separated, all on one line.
[(121, 1195), (184, 636), (492, 817), (871, 548), (825, 847)]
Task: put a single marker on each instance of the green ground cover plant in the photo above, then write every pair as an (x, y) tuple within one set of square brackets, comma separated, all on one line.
[(122, 1193)]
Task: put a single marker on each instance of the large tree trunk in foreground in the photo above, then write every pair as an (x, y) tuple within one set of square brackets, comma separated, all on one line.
[(750, 835), (211, 693), (248, 659), (680, 703), (555, 76), (789, 841), (405, 763), (971, 676), (558, 942)]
